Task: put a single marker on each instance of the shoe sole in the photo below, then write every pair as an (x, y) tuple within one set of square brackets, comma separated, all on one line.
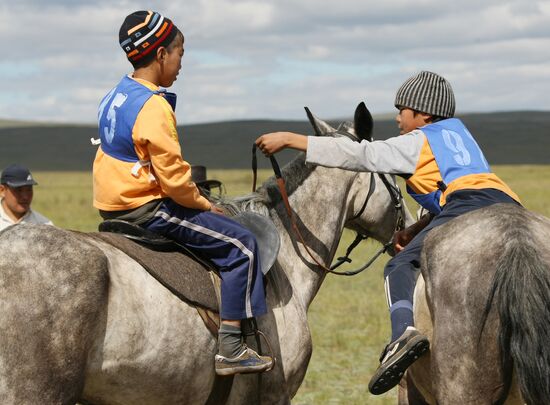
[(391, 374), (244, 370)]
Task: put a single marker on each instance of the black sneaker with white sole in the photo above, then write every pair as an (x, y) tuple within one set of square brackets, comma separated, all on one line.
[(396, 358)]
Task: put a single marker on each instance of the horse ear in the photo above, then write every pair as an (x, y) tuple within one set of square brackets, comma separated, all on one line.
[(363, 122), (319, 126)]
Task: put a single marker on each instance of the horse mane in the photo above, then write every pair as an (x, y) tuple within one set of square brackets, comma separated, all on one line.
[(268, 195)]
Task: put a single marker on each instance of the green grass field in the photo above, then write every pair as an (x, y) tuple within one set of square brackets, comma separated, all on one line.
[(348, 318)]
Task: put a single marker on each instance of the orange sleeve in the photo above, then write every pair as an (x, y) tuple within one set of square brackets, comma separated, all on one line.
[(156, 139)]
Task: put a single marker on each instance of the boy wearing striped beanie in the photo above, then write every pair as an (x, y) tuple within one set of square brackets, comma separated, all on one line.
[(140, 176), (142, 33), (445, 172)]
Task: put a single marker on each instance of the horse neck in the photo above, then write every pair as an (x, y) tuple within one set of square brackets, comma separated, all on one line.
[(319, 198)]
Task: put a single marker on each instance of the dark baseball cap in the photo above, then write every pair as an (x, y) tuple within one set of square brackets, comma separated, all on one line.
[(17, 176)]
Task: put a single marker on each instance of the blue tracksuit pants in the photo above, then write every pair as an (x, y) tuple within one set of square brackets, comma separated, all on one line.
[(227, 244), (401, 271)]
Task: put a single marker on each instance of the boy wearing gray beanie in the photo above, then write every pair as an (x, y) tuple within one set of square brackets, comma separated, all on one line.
[(445, 172)]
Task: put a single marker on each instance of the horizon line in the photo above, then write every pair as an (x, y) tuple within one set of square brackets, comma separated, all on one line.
[(11, 122)]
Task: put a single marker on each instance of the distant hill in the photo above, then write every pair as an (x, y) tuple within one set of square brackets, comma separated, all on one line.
[(506, 138)]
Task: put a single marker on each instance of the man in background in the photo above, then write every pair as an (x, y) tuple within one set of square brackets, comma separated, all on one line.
[(16, 193)]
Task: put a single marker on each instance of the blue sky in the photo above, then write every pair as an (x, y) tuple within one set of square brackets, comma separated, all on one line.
[(269, 59)]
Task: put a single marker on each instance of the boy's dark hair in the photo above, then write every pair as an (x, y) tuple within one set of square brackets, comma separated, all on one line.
[(435, 118), (142, 32)]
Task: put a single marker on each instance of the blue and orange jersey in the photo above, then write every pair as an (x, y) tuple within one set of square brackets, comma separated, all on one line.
[(450, 160), (140, 157)]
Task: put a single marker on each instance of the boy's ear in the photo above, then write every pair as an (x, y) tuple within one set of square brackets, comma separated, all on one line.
[(427, 117), (161, 53)]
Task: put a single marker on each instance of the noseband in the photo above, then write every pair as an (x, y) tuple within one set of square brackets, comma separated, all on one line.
[(396, 197), (398, 205)]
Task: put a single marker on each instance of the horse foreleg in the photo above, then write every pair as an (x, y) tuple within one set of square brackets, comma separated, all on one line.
[(271, 387)]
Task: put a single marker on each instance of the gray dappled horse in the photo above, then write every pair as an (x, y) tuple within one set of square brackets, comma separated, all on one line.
[(486, 309), (80, 320)]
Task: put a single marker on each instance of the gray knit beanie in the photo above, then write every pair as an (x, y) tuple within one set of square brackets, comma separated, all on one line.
[(427, 92)]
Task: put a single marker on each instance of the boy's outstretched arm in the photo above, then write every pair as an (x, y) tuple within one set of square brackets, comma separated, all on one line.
[(274, 142)]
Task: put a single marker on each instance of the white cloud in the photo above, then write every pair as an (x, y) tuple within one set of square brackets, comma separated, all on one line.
[(267, 59)]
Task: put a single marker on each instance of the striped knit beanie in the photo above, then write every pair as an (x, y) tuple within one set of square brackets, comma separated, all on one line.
[(144, 31), (427, 92)]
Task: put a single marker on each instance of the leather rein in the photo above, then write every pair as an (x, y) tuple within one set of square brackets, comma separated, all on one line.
[(396, 197)]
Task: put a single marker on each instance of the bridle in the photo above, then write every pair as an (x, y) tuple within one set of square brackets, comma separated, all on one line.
[(399, 207), (396, 197)]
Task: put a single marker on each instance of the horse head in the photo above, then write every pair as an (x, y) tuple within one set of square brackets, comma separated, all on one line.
[(376, 207)]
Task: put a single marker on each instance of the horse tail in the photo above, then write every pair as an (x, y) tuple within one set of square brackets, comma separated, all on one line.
[(521, 294)]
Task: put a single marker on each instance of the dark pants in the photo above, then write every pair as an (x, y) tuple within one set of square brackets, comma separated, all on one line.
[(226, 243), (400, 272)]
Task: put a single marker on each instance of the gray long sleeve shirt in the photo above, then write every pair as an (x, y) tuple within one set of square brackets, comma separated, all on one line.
[(397, 155)]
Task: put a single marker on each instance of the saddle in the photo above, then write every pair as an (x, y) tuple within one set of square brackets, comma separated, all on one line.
[(191, 278), (186, 275)]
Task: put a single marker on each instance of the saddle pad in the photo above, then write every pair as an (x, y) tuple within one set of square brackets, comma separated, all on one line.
[(266, 235), (184, 276)]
